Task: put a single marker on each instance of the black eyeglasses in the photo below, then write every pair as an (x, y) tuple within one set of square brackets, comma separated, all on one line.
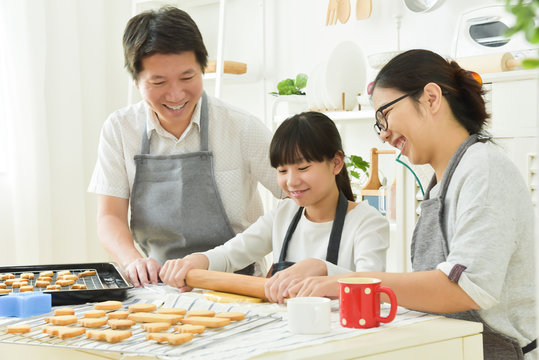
[(381, 120)]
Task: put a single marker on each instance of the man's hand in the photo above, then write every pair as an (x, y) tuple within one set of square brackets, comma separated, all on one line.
[(143, 271)]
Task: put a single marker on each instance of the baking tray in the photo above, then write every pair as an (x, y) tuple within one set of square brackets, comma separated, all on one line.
[(107, 284)]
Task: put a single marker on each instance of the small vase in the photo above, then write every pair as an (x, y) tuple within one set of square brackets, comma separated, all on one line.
[(291, 105)]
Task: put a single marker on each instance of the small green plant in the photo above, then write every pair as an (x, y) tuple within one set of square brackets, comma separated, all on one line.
[(357, 166), (291, 86), (526, 12)]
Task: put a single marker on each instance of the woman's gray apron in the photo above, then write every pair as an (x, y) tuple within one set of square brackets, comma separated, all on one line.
[(334, 243), (175, 204), (430, 248)]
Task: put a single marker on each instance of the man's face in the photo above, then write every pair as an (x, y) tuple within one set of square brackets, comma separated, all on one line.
[(171, 84)]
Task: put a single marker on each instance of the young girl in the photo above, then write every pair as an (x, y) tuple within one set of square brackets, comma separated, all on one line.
[(473, 247), (318, 230)]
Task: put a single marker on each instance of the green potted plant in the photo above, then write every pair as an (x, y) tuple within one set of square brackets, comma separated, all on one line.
[(291, 86), (526, 13), (290, 91), (358, 171)]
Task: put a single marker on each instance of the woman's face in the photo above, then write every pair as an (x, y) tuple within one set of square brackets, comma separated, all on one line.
[(171, 84), (308, 183), (406, 126)]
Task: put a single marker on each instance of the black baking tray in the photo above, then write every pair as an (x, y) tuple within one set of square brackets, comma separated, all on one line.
[(107, 284)]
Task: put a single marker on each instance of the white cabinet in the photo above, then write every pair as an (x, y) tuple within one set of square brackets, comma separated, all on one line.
[(513, 100)]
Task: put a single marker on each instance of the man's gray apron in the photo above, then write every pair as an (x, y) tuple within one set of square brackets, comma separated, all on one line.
[(175, 204), (430, 248), (334, 242)]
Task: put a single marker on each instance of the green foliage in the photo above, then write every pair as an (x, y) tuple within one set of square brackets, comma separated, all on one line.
[(356, 165), (291, 86), (525, 12)]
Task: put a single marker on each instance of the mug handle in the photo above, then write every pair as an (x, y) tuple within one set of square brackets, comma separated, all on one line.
[(393, 302)]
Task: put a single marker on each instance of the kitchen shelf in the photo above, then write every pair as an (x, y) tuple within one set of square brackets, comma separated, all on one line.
[(367, 114), (336, 116)]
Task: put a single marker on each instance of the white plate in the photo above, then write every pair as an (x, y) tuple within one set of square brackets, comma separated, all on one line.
[(346, 72)]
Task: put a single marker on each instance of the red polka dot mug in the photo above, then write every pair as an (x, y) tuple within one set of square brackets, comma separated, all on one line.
[(359, 303)]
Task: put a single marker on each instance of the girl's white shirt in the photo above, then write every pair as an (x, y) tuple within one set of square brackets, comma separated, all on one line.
[(364, 241)]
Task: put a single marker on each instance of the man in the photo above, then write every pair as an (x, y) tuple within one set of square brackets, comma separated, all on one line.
[(185, 164)]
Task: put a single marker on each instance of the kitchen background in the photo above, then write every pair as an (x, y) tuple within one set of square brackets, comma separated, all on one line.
[(62, 74)]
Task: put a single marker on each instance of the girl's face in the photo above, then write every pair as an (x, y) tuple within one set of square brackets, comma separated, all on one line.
[(308, 183), (407, 129)]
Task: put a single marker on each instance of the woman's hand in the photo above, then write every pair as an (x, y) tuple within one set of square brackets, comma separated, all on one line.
[(143, 271), (174, 271), (277, 286), (325, 286)]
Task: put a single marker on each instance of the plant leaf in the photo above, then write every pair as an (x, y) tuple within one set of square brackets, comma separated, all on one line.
[(530, 63), (301, 81)]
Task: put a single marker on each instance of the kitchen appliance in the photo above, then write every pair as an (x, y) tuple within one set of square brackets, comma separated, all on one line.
[(421, 6), (482, 31), (107, 284)]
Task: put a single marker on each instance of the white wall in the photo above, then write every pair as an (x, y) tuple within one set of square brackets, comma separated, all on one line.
[(296, 40), (84, 82)]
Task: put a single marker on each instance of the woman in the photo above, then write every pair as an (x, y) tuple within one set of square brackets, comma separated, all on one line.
[(472, 248), (319, 230)]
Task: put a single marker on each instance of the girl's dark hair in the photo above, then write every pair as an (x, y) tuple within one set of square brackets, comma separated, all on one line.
[(168, 30), (309, 136), (410, 71)]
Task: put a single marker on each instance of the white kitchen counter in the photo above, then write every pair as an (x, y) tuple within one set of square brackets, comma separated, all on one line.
[(411, 336)]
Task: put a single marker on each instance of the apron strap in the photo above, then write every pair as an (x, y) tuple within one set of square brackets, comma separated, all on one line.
[(145, 143), (453, 163), (289, 232), (530, 347), (204, 118), (336, 230), (334, 237)]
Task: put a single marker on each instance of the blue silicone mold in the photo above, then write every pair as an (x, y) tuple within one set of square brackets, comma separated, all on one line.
[(25, 304)]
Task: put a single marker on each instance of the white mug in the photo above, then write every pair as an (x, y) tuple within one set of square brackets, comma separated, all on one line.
[(309, 315)]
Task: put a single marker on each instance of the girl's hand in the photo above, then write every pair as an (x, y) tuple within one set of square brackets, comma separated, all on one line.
[(174, 271), (325, 286), (277, 286)]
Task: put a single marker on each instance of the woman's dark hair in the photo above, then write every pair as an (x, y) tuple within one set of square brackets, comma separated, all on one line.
[(309, 136), (168, 30), (410, 71)]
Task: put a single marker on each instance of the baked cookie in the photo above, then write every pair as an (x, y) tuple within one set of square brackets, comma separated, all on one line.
[(18, 329), (142, 308), (108, 305), (172, 339), (211, 322), (118, 314), (63, 332), (190, 329), (120, 323), (93, 322), (111, 336)]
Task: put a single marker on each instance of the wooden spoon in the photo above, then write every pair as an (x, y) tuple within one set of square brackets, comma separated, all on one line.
[(343, 10), (363, 9)]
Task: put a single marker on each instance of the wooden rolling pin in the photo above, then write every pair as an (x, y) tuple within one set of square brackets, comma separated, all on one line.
[(491, 63), (227, 282), (230, 67)]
